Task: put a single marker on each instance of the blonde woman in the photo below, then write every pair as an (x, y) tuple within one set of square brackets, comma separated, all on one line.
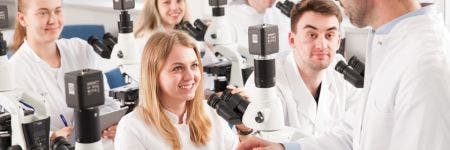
[(158, 15), (172, 113), (41, 59)]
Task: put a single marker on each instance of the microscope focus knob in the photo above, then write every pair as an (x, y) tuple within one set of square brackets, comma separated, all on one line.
[(120, 54), (259, 118), (214, 36)]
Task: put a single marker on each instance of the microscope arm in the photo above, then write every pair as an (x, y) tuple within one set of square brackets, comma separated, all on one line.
[(229, 52)]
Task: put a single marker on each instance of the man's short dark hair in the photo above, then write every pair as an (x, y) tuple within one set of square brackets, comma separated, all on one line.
[(324, 7)]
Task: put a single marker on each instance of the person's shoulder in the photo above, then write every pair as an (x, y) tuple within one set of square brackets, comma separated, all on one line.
[(130, 118), (74, 42)]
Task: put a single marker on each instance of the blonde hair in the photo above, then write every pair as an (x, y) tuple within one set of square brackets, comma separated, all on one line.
[(150, 108), (150, 19), (20, 31)]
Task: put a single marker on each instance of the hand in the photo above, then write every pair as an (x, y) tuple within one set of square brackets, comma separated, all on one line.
[(252, 143), (64, 132), (110, 132), (240, 91)]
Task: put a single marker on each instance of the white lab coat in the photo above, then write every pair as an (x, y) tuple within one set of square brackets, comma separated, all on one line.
[(133, 133), (300, 108), (242, 16), (34, 75), (407, 91)]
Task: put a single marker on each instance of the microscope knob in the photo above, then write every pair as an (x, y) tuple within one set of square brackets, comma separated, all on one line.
[(259, 118), (120, 54), (214, 36)]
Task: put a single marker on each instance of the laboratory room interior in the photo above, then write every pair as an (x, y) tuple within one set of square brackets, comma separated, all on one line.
[(224, 74)]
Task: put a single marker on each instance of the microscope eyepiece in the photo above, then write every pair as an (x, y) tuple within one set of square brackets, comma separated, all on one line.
[(100, 48), (285, 7), (230, 107), (357, 65), (350, 75)]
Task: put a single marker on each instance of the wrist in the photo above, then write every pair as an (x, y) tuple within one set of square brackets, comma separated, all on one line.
[(244, 131)]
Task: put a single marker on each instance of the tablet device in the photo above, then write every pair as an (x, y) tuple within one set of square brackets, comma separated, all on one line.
[(111, 118)]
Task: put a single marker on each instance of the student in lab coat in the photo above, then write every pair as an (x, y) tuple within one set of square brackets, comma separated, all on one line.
[(245, 13), (41, 59), (172, 113), (406, 89), (158, 15), (315, 97)]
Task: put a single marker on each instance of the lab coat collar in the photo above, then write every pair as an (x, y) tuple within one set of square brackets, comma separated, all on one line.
[(173, 117), (304, 98), (27, 50), (386, 28)]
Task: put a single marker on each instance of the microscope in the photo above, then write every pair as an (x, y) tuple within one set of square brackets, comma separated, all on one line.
[(123, 54), (19, 128), (84, 93), (264, 112), (197, 30), (121, 50), (353, 74), (232, 69), (223, 38), (285, 7)]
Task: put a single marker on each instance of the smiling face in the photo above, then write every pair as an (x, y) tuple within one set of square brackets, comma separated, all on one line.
[(315, 40), (180, 75), (42, 19), (171, 11)]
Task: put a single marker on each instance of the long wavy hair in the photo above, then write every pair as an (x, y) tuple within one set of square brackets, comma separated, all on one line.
[(150, 19), (20, 31), (150, 108)]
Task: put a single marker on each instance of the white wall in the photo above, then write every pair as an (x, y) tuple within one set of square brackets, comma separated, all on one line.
[(101, 12)]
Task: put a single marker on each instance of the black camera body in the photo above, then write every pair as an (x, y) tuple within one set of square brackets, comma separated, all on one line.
[(4, 23), (84, 89), (123, 4)]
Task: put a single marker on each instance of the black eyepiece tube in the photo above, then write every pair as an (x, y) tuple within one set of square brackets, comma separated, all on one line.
[(109, 40), (357, 65), (99, 47), (200, 25), (350, 75), (285, 7), (230, 107)]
